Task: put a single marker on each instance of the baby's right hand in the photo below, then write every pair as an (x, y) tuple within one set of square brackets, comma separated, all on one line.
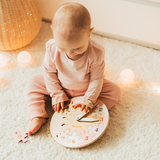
[(60, 105)]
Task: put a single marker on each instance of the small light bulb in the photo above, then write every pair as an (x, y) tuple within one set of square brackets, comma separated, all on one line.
[(3, 60), (24, 57), (127, 76), (157, 90)]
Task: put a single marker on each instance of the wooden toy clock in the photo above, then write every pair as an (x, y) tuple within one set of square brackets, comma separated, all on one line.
[(73, 128)]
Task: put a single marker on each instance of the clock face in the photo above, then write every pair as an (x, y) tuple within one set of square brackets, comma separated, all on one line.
[(69, 132)]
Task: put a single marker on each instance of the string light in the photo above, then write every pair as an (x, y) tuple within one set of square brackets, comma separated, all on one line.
[(127, 76), (3, 60), (157, 90), (23, 58), (155, 87)]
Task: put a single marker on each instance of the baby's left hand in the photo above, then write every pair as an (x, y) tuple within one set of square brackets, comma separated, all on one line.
[(83, 107)]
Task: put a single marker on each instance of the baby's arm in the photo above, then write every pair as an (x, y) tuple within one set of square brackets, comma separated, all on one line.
[(97, 69), (50, 76), (96, 80)]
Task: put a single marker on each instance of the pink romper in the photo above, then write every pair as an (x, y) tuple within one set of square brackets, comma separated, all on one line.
[(64, 78)]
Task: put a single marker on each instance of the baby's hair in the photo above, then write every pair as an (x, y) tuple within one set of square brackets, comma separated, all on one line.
[(75, 15)]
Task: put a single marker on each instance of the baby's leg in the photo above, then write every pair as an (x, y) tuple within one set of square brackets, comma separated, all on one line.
[(110, 94), (36, 104)]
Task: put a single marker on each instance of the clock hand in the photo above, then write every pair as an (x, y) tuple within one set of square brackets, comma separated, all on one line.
[(88, 120), (83, 114)]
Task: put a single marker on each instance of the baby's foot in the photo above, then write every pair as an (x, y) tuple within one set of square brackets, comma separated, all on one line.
[(36, 124)]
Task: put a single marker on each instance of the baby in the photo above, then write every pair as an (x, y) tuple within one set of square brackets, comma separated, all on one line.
[(73, 66)]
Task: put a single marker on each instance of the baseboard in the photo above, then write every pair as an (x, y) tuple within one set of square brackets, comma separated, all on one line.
[(126, 39)]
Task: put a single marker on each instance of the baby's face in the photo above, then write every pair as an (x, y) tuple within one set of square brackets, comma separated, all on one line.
[(75, 47)]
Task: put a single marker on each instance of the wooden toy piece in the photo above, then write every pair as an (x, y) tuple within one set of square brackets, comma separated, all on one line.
[(20, 137), (69, 132)]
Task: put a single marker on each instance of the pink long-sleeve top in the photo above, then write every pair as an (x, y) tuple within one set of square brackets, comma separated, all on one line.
[(85, 73)]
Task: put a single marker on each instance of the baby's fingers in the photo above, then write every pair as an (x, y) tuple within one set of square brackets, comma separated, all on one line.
[(62, 105), (82, 107), (76, 105), (54, 107), (86, 109), (90, 110), (58, 107)]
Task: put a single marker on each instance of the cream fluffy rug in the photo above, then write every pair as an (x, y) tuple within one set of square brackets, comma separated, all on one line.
[(134, 128)]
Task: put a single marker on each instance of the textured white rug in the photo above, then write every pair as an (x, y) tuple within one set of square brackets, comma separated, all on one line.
[(134, 128)]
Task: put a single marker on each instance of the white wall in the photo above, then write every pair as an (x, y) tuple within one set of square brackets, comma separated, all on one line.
[(125, 20)]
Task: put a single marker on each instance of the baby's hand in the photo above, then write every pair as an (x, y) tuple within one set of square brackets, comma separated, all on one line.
[(83, 107), (60, 105)]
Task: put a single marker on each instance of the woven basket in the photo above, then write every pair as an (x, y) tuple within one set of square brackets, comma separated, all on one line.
[(20, 22)]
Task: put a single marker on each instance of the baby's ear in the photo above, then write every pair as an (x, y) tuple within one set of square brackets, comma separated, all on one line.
[(91, 30)]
